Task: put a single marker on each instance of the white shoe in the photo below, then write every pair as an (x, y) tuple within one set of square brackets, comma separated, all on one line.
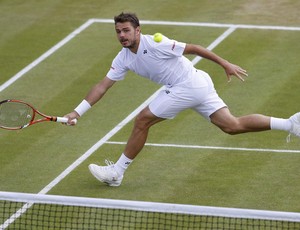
[(295, 130), (106, 174)]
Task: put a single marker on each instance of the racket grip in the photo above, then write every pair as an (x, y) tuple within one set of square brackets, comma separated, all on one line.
[(65, 120), (62, 119)]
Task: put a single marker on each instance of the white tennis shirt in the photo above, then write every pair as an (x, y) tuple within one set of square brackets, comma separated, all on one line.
[(161, 62)]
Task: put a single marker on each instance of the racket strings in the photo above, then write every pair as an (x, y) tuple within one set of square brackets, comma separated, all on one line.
[(15, 115)]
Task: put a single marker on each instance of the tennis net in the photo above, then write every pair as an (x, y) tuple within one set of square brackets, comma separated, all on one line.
[(36, 211)]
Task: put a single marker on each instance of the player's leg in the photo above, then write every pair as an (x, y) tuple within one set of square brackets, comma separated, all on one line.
[(157, 111), (235, 125), (112, 174), (254, 122), (214, 109), (139, 133)]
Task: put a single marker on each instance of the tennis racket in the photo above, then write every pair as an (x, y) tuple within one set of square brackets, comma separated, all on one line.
[(16, 114)]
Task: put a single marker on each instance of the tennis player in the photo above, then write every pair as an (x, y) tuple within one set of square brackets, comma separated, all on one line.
[(185, 87)]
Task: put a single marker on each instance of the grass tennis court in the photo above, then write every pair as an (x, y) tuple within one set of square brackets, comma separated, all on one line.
[(187, 160)]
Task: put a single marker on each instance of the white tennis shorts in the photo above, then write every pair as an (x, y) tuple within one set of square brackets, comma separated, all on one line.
[(198, 94)]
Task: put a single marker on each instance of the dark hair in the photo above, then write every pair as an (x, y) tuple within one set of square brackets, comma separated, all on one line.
[(127, 17)]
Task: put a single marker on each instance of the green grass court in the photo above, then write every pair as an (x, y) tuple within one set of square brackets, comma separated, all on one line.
[(186, 160)]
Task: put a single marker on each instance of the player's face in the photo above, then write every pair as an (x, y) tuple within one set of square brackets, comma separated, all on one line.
[(128, 35)]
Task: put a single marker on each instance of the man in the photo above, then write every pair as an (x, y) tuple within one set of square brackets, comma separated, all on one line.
[(186, 87)]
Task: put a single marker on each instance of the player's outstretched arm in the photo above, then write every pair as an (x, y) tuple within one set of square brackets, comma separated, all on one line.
[(94, 95), (230, 69), (98, 91)]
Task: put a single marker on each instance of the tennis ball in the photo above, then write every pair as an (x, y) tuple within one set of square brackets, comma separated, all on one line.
[(157, 37)]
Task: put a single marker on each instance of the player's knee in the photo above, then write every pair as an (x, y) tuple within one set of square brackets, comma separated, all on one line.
[(232, 128), (142, 121), (145, 119), (229, 131)]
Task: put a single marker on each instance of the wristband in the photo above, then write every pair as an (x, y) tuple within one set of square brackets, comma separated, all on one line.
[(82, 107)]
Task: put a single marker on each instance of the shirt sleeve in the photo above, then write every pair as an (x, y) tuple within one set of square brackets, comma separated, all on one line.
[(117, 70)]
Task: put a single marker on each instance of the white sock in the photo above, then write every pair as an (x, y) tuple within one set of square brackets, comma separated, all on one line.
[(280, 124), (122, 164)]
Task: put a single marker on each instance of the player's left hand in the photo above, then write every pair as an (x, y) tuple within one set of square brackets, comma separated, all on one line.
[(73, 117), (235, 70)]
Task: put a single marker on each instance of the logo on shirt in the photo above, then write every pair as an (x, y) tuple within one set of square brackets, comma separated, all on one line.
[(173, 47), (145, 51), (112, 68)]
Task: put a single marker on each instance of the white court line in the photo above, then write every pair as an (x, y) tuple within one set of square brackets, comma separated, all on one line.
[(211, 147), (204, 24), (96, 146)]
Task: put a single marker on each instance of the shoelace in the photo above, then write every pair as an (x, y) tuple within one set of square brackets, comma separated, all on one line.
[(110, 166), (109, 163)]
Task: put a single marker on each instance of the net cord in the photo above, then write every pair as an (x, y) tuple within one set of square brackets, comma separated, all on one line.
[(150, 206)]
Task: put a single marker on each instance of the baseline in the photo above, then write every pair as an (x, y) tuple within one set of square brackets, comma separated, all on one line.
[(204, 24)]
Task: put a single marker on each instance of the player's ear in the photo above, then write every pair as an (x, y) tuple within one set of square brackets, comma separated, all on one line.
[(138, 30)]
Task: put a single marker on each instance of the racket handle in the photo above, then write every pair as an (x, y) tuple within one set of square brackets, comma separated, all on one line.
[(62, 119), (65, 120)]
